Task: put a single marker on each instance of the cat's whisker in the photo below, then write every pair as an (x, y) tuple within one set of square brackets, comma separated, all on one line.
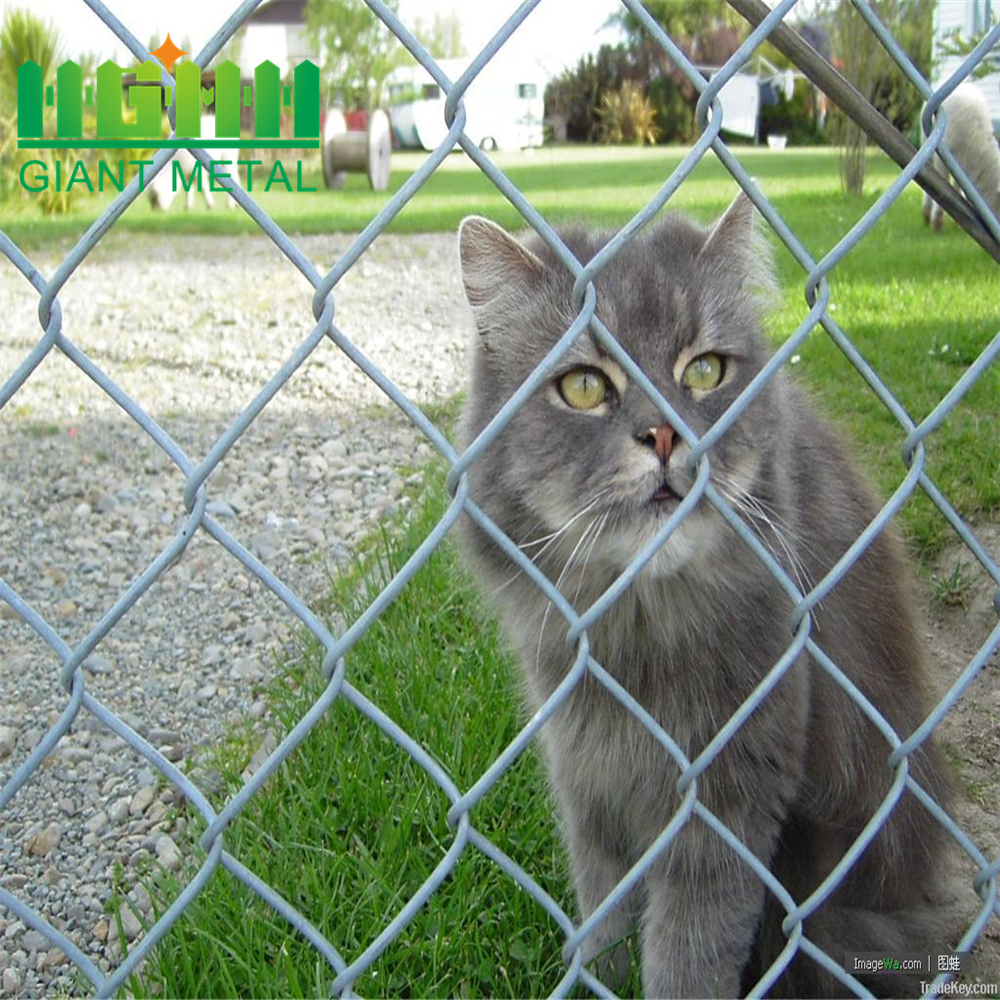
[(553, 536), (570, 562), (590, 551), (748, 504), (573, 519)]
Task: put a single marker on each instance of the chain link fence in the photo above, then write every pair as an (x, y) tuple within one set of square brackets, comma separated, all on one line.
[(68, 659)]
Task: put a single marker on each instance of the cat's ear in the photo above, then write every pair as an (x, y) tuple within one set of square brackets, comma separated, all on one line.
[(736, 248), (734, 229), (494, 264)]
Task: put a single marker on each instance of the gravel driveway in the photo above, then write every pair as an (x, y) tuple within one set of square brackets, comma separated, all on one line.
[(191, 328)]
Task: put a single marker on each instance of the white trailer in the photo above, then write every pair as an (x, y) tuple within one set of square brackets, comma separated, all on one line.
[(504, 105)]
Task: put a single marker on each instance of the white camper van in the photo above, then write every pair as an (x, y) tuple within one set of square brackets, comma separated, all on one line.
[(504, 105)]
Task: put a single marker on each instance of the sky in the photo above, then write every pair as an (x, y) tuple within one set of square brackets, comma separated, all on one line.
[(556, 33)]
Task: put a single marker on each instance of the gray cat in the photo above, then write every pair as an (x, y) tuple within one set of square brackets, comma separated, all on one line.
[(581, 480)]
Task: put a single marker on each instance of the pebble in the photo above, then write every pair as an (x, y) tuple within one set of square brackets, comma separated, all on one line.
[(118, 811), (33, 941), (130, 925), (168, 853), (141, 801), (50, 960), (10, 982), (45, 841), (97, 822), (89, 501)]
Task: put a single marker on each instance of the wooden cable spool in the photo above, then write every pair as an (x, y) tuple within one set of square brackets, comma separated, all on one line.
[(357, 152)]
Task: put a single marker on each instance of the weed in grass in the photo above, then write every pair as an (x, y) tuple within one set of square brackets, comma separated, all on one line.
[(954, 590), (38, 431)]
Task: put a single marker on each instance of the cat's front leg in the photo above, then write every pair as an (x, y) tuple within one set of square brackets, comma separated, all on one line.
[(700, 922), (598, 865)]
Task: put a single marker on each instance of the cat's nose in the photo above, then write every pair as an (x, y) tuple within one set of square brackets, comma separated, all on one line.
[(660, 439)]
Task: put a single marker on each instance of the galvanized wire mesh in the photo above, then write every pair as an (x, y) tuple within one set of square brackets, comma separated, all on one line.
[(335, 664)]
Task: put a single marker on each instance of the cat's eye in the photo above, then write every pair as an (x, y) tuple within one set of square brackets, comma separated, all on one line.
[(584, 388), (705, 372)]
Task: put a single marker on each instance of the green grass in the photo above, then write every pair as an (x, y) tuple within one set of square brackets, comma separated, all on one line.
[(604, 184), (350, 827)]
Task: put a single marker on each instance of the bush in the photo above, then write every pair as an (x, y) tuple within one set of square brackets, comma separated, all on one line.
[(795, 119), (576, 94), (673, 109), (627, 116)]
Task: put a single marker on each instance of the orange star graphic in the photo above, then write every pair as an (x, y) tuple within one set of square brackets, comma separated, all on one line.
[(168, 53)]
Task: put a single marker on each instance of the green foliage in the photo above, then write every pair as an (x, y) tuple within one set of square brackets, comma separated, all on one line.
[(442, 37), (359, 51), (956, 43), (627, 116), (692, 21), (25, 36), (795, 119), (953, 589), (708, 32), (673, 104), (577, 94)]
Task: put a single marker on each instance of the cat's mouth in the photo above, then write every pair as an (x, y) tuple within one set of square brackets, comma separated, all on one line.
[(663, 495)]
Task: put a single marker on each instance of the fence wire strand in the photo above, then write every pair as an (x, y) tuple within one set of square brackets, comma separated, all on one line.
[(345, 970)]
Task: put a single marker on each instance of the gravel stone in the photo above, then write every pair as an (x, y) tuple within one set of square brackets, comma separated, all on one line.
[(33, 941), (88, 501), (118, 811), (45, 841), (168, 853), (142, 800)]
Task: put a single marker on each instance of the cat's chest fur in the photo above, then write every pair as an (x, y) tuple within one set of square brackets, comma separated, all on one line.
[(682, 656)]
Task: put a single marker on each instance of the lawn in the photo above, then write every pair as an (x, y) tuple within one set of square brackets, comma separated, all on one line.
[(350, 826)]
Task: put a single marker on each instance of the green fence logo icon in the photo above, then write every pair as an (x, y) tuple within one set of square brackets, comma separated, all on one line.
[(228, 95)]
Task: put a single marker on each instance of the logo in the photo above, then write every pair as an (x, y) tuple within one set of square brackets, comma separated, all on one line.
[(230, 96)]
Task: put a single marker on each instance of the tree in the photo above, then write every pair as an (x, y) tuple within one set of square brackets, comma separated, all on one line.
[(25, 36), (875, 74), (442, 37), (577, 94), (358, 51)]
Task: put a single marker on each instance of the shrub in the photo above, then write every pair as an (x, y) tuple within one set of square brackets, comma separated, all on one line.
[(627, 116)]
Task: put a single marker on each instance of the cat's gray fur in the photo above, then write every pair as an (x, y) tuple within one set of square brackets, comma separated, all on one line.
[(704, 622)]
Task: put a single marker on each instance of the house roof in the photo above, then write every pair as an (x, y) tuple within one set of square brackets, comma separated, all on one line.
[(279, 12)]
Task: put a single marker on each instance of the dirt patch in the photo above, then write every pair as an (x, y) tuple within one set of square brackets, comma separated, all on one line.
[(962, 623)]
